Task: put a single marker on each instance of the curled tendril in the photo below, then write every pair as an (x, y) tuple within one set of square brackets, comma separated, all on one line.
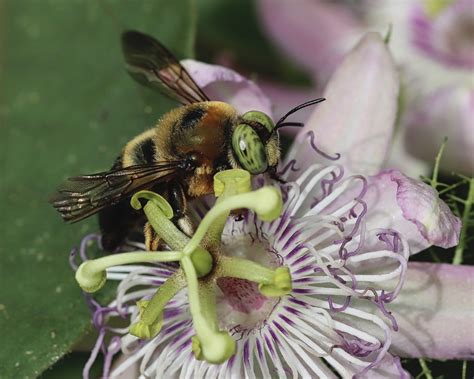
[(312, 141)]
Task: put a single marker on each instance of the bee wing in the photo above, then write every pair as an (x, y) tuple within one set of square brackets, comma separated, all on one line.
[(82, 196), (152, 64)]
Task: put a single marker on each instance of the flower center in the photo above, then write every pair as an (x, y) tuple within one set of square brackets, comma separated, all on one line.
[(241, 295), (240, 303)]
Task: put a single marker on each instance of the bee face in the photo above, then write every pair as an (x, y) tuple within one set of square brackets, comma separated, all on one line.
[(255, 142), (179, 157)]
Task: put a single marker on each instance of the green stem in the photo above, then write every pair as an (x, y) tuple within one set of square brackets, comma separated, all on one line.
[(164, 294), (159, 213), (227, 183), (434, 178), (244, 269), (91, 275), (271, 283), (103, 263), (425, 368), (151, 311), (458, 253), (209, 343), (193, 288), (207, 298)]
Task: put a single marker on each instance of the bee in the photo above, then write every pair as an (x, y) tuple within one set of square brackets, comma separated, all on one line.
[(178, 157)]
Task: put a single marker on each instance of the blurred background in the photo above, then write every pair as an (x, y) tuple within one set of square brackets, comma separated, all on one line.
[(67, 107)]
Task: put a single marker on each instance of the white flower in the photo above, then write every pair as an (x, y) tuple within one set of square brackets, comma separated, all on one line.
[(336, 266), (343, 241)]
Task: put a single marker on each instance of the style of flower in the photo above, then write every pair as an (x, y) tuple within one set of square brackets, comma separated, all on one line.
[(322, 239), (344, 239)]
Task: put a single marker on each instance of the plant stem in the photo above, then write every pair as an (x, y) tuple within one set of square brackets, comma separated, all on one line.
[(245, 269), (425, 368), (162, 296), (434, 178), (458, 253)]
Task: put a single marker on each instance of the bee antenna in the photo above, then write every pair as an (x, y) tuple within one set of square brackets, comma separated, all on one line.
[(280, 122), (283, 124)]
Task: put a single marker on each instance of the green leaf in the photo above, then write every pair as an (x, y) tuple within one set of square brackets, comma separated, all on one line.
[(67, 107), (71, 366), (232, 28)]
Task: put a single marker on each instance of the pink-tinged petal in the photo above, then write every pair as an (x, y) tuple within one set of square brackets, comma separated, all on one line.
[(389, 367), (446, 36), (131, 372), (448, 112), (400, 159), (358, 116), (314, 33), (413, 208), (223, 84), (435, 311)]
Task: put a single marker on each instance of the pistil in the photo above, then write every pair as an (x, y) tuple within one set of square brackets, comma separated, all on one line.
[(200, 270)]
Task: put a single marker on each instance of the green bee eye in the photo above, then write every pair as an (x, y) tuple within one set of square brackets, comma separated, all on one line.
[(261, 118), (249, 149)]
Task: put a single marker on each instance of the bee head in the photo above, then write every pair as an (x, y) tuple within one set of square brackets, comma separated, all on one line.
[(255, 142)]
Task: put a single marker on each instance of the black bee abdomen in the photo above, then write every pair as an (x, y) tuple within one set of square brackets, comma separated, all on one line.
[(192, 117), (147, 148), (116, 222)]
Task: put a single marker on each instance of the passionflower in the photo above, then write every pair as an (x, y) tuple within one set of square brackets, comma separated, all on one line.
[(318, 274), (279, 295)]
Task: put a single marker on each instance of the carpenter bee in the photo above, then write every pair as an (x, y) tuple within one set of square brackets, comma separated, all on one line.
[(178, 157)]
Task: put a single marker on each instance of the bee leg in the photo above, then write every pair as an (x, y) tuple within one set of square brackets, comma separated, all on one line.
[(116, 222), (273, 175), (177, 200), (152, 240)]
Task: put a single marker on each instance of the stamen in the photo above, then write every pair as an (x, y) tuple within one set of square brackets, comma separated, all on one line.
[(266, 202), (272, 283), (291, 165), (91, 275), (274, 335), (209, 343), (151, 312)]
